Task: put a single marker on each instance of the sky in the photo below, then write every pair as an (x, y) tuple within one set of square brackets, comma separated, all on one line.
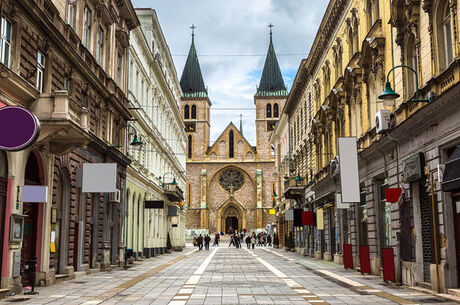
[(231, 38)]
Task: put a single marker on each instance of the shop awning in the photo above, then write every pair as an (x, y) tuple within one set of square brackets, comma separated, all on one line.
[(451, 179)]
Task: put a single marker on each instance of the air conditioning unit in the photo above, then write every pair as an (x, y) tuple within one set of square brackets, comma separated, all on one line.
[(382, 120), (115, 197)]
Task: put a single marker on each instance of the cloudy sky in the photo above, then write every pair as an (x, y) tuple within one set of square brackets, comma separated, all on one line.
[(232, 38)]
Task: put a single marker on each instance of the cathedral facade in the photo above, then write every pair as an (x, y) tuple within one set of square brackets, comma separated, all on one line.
[(231, 184)]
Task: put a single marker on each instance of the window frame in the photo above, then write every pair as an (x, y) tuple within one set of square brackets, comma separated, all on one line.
[(100, 45), (5, 41), (186, 112), (268, 110), (40, 77), (87, 27)]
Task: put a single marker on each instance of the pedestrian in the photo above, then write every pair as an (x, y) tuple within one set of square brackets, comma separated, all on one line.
[(207, 240), (200, 242), (232, 241), (216, 243), (218, 238), (269, 240), (248, 241), (195, 242), (238, 241), (253, 242)]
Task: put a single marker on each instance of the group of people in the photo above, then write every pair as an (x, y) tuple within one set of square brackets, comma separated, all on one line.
[(236, 239)]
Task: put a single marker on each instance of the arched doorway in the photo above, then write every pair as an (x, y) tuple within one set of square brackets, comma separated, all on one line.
[(3, 189), (231, 220), (61, 227), (33, 176)]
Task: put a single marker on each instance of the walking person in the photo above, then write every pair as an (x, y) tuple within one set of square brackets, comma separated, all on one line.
[(269, 240), (253, 242), (232, 241), (195, 241), (200, 242), (216, 242), (207, 240), (248, 242)]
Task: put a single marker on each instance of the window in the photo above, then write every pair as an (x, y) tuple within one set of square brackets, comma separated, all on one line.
[(119, 68), (269, 111), (444, 35), (40, 71), (67, 84), (5, 42), (411, 61), (189, 147), (275, 110), (87, 28), (231, 144), (350, 42), (186, 112), (193, 112), (84, 99), (71, 15), (100, 45), (272, 151)]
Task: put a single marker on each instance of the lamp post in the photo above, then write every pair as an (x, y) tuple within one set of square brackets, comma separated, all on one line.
[(389, 95), (135, 142)]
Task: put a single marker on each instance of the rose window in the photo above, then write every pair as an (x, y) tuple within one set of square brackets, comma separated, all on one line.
[(231, 179)]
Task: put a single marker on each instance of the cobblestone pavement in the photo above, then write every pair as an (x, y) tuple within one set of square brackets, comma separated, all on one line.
[(228, 276)]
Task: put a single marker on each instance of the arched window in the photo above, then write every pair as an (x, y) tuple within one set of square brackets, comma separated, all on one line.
[(444, 35), (231, 144), (411, 61), (275, 110), (189, 147), (350, 42), (187, 112), (269, 111), (193, 112)]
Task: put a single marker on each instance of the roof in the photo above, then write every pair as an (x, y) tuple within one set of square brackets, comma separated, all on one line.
[(271, 82), (191, 82), (222, 135)]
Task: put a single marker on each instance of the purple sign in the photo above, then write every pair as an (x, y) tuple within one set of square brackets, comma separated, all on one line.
[(19, 128)]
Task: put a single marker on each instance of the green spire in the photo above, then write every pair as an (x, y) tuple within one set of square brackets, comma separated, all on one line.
[(271, 83), (191, 82)]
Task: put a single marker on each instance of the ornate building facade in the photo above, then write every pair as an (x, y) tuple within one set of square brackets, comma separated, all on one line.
[(336, 94), (154, 94), (230, 183)]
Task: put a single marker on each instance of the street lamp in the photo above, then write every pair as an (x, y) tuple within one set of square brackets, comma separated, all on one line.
[(389, 95), (136, 142), (298, 179)]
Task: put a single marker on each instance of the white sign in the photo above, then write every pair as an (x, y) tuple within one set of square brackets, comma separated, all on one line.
[(99, 178), (34, 193), (339, 203), (289, 215), (349, 171)]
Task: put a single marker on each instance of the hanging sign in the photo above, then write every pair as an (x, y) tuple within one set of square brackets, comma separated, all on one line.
[(349, 171), (99, 178), (320, 219), (289, 215), (339, 203), (272, 211), (307, 218), (20, 128), (34, 193), (393, 194)]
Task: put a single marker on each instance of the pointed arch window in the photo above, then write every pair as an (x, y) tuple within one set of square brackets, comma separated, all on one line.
[(231, 148), (275, 110), (269, 110), (187, 112), (444, 35), (193, 112), (189, 147)]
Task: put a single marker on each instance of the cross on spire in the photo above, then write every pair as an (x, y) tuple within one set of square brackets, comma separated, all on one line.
[(193, 27), (270, 26)]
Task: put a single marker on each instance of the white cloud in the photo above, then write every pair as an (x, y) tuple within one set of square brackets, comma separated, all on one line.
[(237, 27)]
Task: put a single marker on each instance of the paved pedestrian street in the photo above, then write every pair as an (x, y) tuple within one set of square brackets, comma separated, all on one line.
[(228, 276)]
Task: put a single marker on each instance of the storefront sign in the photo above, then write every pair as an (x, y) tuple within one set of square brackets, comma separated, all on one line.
[(339, 203), (99, 178), (289, 215), (349, 171), (412, 168), (34, 193), (20, 128), (272, 211), (154, 204), (320, 219), (307, 218)]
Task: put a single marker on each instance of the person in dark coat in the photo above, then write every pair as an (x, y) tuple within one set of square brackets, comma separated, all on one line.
[(248, 241), (207, 240), (269, 239), (200, 242)]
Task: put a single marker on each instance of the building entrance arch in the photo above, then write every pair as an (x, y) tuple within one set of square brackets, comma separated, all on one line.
[(231, 217)]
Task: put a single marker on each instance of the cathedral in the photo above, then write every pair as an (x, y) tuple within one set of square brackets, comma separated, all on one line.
[(231, 184)]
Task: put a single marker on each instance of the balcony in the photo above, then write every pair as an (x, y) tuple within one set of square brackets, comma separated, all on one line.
[(294, 187), (173, 192), (63, 122)]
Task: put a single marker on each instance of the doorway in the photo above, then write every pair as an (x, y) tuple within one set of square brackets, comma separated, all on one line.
[(456, 210), (30, 210), (3, 190), (231, 224)]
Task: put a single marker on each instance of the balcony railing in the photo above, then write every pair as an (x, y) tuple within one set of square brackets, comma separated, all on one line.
[(173, 192), (294, 187)]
